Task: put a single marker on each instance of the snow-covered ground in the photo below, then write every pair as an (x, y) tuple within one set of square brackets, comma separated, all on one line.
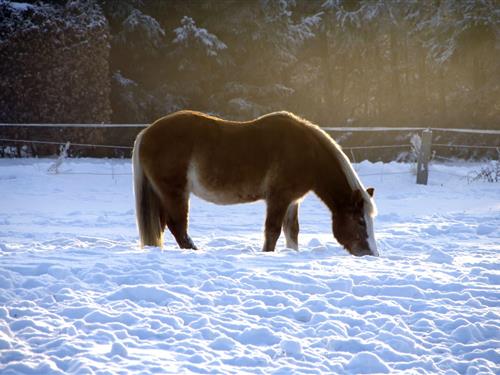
[(77, 295)]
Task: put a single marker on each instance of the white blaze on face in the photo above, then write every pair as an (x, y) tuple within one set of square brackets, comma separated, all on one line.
[(370, 232)]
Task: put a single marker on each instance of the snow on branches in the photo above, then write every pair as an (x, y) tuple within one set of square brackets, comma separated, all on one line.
[(189, 33)]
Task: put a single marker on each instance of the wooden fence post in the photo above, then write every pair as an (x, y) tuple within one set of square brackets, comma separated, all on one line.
[(424, 157)]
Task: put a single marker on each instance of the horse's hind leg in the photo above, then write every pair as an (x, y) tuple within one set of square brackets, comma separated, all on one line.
[(276, 209), (291, 226), (176, 210)]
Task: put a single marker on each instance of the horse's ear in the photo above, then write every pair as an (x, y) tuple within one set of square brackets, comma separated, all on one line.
[(370, 191)]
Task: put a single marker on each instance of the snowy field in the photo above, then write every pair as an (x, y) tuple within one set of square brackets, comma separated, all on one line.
[(77, 295)]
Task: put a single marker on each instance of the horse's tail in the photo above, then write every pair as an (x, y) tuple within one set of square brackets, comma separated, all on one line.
[(148, 207)]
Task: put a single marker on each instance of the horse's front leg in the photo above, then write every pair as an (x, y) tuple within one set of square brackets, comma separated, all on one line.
[(276, 209), (291, 226)]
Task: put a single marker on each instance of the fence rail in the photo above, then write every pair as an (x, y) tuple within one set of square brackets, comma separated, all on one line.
[(387, 129), (325, 128), (94, 126)]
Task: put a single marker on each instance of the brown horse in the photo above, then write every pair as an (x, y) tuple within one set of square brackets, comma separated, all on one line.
[(277, 157)]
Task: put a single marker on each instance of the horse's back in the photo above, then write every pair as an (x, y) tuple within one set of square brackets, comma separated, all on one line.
[(228, 162)]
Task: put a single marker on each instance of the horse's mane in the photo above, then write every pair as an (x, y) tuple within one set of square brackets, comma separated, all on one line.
[(336, 151)]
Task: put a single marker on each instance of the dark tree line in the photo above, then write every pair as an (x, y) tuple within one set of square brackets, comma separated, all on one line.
[(400, 62), (54, 63)]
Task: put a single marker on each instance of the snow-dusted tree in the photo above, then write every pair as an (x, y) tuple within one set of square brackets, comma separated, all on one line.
[(461, 40), (140, 39), (420, 62), (199, 59), (138, 57), (188, 35), (53, 63), (263, 39)]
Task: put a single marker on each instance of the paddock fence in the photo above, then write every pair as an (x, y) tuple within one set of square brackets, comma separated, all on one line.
[(410, 144)]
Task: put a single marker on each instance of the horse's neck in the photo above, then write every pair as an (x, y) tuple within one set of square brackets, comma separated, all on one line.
[(332, 186)]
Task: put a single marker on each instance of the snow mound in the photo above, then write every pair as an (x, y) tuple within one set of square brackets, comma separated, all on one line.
[(291, 347), (439, 256), (367, 363)]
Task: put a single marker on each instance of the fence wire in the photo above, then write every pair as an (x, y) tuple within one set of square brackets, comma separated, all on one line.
[(466, 146), (375, 147), (61, 143), (131, 147)]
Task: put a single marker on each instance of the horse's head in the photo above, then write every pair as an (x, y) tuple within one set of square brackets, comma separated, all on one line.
[(353, 224)]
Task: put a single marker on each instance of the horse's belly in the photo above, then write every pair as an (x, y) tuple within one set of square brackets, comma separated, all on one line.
[(220, 192)]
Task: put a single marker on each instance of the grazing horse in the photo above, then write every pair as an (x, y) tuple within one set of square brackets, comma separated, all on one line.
[(278, 157)]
